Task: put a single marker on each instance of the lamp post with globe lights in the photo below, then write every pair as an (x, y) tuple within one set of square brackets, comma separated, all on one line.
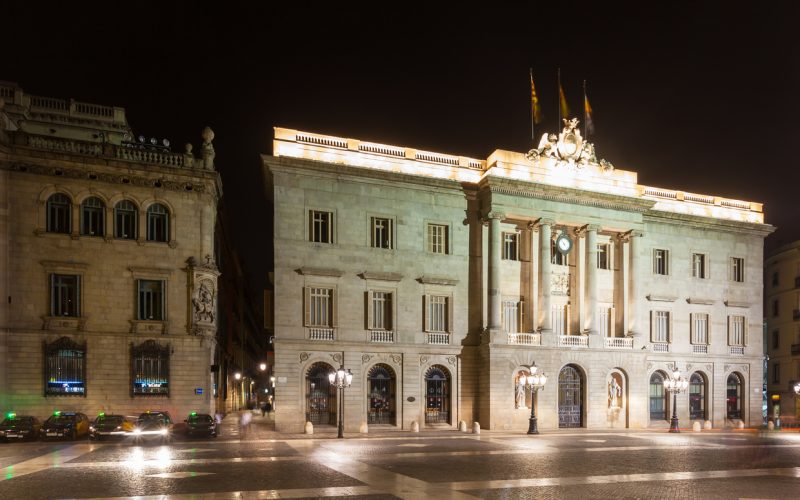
[(535, 381), (341, 379), (675, 384)]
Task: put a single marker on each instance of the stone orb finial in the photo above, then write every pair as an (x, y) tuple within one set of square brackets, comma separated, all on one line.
[(189, 148), (208, 135)]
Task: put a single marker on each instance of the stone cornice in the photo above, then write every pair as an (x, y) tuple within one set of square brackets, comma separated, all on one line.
[(701, 301), (661, 298), (733, 303), (57, 265), (696, 221), (149, 272), (320, 271), (367, 275), (437, 280)]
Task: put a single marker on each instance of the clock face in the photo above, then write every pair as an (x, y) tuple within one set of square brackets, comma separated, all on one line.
[(564, 244)]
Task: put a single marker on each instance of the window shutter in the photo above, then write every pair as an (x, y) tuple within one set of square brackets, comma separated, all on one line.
[(425, 316), (669, 332), (389, 311), (652, 326), (449, 304), (708, 329), (307, 306), (745, 330), (368, 305), (567, 320), (692, 329), (730, 329), (612, 322), (521, 316), (334, 309)]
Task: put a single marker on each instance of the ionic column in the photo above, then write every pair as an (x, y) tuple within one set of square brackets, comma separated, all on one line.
[(494, 268), (624, 278), (591, 278), (633, 283), (545, 280)]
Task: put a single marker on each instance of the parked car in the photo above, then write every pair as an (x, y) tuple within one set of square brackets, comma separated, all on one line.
[(105, 426), (201, 424), (65, 424), (19, 427), (153, 425)]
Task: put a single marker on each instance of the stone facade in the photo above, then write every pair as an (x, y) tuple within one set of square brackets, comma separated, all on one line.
[(459, 261), (782, 312), (57, 157)]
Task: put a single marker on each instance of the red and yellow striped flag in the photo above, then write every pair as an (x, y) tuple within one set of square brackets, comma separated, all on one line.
[(587, 109), (536, 108), (562, 100)]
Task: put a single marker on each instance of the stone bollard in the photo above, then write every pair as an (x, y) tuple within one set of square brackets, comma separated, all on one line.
[(770, 426), (707, 425), (363, 428), (414, 426), (696, 427), (309, 428), (462, 426), (476, 427)]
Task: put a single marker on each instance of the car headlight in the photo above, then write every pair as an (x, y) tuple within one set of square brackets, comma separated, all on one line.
[(164, 432), (91, 429), (137, 430), (117, 428)]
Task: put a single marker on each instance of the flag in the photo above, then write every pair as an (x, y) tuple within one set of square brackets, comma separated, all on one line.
[(562, 100), (536, 108), (587, 110)]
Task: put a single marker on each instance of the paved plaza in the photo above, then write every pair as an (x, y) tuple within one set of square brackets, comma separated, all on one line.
[(390, 464)]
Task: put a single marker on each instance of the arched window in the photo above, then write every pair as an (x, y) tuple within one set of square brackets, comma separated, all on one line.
[(125, 220), (437, 395), (734, 397), (59, 214), (658, 397), (381, 395), (320, 395), (93, 219), (697, 397), (157, 223)]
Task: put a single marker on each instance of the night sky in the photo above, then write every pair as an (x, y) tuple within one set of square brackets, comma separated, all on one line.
[(701, 98)]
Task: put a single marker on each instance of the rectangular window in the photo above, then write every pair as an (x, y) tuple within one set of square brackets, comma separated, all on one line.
[(438, 238), (775, 309), (319, 308), (660, 326), (150, 369), (320, 228), (699, 328), (776, 339), (737, 269), (775, 279), (560, 319), (776, 373), (438, 314), (380, 311), (511, 246), (603, 256), (557, 257), (65, 368), (699, 269), (381, 232), (92, 217), (65, 295), (660, 261), (151, 300), (607, 321), (511, 316), (736, 331)]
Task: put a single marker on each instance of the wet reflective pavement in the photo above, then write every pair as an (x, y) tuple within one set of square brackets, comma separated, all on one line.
[(392, 464)]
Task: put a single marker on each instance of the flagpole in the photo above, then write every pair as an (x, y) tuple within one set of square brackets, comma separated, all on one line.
[(558, 96), (585, 129), (533, 111)]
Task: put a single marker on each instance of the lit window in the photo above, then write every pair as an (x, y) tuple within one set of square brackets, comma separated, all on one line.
[(660, 326), (603, 256), (125, 220), (93, 220), (151, 300), (699, 265), (65, 295), (320, 226), (157, 223), (150, 369), (660, 261), (438, 238), (59, 214), (65, 368), (511, 246), (699, 328), (737, 269), (381, 232)]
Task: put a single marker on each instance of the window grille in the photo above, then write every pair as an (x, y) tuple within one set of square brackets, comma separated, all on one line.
[(150, 369), (64, 368)]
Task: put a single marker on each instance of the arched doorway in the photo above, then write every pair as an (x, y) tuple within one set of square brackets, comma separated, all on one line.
[(320, 395), (570, 397), (658, 397), (734, 397), (697, 397), (437, 395), (381, 395)]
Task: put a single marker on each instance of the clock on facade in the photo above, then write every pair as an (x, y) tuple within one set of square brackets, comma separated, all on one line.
[(563, 243)]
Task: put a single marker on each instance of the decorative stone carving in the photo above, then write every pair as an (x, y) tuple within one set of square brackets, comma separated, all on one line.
[(398, 359), (451, 360), (365, 358), (202, 296), (337, 356), (568, 148), (303, 357), (208, 149), (559, 284), (423, 360)]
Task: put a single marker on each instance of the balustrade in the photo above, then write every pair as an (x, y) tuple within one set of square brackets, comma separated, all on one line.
[(525, 338), (438, 338), (619, 343), (320, 333), (381, 336), (573, 341)]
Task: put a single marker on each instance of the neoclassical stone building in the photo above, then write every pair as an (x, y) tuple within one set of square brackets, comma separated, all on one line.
[(109, 283), (438, 280)]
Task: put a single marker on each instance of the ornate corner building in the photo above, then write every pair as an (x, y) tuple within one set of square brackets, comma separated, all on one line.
[(109, 281), (439, 280)]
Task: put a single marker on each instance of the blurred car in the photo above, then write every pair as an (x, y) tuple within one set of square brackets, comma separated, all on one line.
[(65, 424), (201, 424), (19, 427), (153, 425), (105, 426)]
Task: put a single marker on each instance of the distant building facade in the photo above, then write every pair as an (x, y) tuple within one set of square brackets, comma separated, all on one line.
[(782, 312), (438, 280), (109, 281)]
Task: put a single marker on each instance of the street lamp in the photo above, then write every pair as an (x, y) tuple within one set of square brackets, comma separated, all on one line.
[(262, 366), (535, 382), (237, 376), (341, 379), (675, 384)]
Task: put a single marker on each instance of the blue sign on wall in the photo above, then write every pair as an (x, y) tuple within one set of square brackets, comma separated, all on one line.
[(198, 390)]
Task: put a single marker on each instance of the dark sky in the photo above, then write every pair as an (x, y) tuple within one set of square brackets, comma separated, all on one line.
[(697, 96)]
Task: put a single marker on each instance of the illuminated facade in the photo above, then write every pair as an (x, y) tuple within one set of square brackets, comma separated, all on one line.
[(108, 279), (782, 313), (438, 280)]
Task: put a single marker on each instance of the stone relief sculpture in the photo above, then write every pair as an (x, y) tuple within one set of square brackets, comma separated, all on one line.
[(203, 304), (567, 148)]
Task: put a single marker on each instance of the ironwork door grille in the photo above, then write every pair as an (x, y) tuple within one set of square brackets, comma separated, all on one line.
[(320, 397), (570, 398)]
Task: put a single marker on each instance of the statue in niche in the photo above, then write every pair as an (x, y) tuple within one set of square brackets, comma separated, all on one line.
[(520, 391), (614, 392), (203, 305)]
